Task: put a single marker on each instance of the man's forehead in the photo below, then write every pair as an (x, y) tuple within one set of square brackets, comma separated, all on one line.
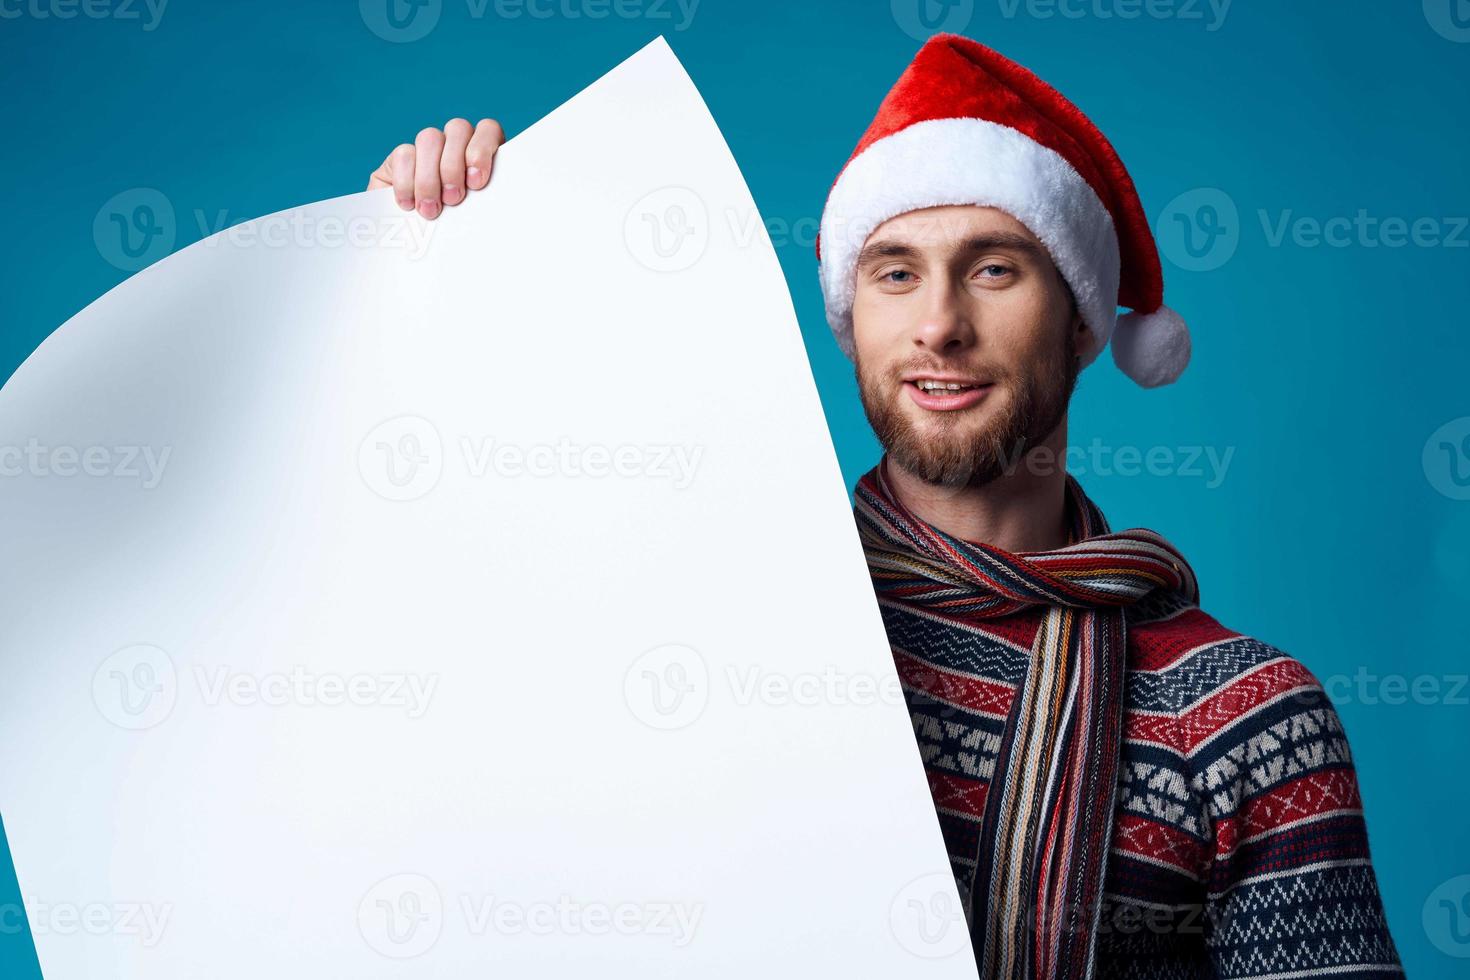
[(949, 223), (950, 231)]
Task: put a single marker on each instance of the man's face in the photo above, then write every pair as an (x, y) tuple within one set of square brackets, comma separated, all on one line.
[(966, 296)]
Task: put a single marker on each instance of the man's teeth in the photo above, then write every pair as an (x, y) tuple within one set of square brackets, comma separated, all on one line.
[(941, 386)]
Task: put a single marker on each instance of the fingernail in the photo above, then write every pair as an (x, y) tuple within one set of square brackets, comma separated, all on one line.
[(475, 174), (406, 203), (452, 195), (428, 208)]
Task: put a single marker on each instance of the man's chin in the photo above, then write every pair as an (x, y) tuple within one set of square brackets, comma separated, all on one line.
[(962, 423)]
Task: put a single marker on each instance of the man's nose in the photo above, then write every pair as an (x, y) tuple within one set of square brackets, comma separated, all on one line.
[(947, 323)]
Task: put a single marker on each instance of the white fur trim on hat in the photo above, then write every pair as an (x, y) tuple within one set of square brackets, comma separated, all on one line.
[(972, 161)]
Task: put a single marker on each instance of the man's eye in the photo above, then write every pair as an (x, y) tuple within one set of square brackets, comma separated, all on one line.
[(890, 276), (993, 271)]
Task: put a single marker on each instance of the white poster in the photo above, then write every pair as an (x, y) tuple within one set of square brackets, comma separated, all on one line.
[(476, 598)]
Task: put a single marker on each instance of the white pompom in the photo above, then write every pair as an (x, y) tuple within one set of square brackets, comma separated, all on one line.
[(1151, 348)]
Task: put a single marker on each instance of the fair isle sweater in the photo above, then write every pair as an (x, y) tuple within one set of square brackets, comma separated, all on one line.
[(1239, 844)]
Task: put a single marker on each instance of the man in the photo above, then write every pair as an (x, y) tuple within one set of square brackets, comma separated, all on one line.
[(1125, 787)]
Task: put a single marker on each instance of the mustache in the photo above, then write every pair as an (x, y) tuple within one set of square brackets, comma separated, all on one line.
[(925, 365)]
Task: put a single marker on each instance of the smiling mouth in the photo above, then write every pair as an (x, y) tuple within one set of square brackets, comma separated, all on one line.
[(943, 387), (939, 395)]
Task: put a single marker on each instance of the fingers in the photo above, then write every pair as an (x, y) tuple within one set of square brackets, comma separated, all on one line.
[(440, 167), (428, 147), (457, 133), (480, 153), (400, 163)]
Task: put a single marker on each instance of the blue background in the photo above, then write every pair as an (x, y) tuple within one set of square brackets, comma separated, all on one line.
[(1339, 529)]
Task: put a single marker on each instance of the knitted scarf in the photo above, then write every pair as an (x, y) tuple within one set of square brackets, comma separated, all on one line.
[(1048, 819)]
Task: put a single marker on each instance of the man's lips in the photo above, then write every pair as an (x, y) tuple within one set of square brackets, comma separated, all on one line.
[(946, 399)]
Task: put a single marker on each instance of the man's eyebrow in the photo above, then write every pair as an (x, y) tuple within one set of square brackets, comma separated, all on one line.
[(888, 248), (885, 249)]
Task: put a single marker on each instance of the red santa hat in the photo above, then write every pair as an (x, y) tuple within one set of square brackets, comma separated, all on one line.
[(965, 125)]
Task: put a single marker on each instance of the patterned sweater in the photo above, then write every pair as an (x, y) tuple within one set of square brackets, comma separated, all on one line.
[(1239, 846)]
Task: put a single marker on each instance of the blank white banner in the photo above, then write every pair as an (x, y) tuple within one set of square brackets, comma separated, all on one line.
[(478, 598)]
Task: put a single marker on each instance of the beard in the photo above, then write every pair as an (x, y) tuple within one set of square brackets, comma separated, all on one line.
[(952, 451)]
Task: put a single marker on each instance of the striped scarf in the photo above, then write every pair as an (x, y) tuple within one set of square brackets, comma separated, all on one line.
[(1048, 822)]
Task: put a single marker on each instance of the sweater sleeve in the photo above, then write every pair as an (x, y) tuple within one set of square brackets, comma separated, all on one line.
[(1290, 888)]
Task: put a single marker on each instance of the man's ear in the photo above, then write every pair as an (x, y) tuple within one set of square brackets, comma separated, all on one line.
[(1081, 332)]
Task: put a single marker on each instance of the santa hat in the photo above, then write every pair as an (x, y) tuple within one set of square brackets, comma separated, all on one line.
[(965, 125)]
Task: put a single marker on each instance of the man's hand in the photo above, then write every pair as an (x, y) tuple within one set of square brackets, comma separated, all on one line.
[(440, 167)]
